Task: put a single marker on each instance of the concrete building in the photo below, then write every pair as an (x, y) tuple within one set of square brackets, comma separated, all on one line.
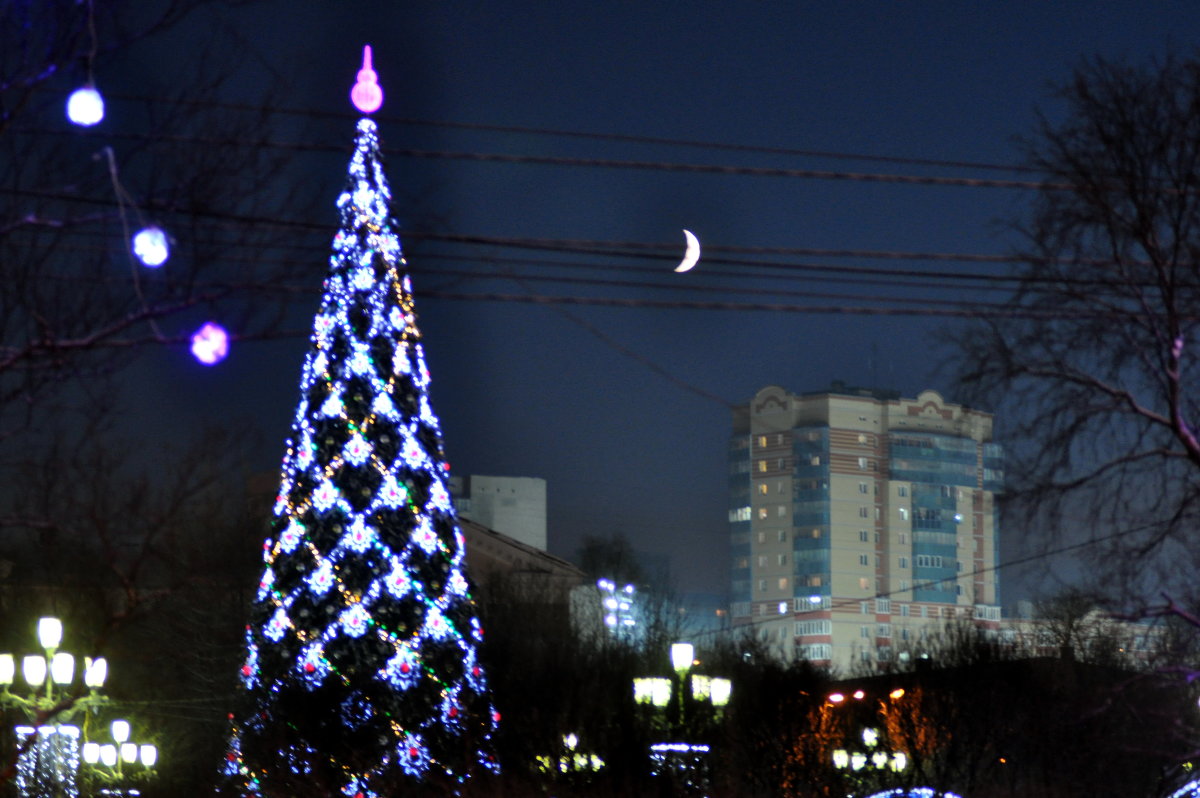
[(861, 521), (515, 506)]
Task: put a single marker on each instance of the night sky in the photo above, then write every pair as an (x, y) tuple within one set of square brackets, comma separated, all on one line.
[(625, 410)]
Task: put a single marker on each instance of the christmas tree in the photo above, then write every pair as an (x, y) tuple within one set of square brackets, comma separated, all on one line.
[(361, 675)]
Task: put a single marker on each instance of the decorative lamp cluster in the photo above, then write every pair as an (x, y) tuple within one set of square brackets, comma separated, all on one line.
[(361, 668), (51, 756)]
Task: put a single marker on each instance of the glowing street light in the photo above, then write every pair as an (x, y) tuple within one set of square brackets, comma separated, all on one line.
[(49, 752)]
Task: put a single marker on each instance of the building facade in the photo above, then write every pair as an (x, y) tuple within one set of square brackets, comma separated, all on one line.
[(861, 521), (515, 506)]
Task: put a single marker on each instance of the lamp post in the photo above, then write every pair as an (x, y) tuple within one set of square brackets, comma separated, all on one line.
[(49, 746), (113, 766), (682, 704)]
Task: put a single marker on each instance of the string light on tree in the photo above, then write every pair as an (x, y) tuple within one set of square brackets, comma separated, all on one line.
[(151, 246), (361, 676), (210, 343)]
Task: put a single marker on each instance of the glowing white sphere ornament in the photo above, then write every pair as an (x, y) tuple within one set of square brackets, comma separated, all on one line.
[(85, 106), (151, 247), (210, 344), (367, 95)]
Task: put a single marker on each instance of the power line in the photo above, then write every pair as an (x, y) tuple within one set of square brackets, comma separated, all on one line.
[(622, 164), (384, 119)]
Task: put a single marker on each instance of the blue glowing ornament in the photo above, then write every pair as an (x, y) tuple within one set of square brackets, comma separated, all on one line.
[(151, 247), (85, 106)]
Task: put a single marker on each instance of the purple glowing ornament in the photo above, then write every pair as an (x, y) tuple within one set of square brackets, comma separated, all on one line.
[(367, 95), (210, 344)]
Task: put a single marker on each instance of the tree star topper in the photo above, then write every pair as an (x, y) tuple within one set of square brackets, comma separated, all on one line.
[(367, 95)]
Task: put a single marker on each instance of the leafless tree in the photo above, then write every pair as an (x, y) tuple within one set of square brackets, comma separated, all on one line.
[(75, 303), (1095, 367)]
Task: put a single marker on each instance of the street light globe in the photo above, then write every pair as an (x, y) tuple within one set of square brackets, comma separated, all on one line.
[(8, 669), (91, 753), (120, 730), (721, 690), (129, 752), (108, 755), (49, 633), (33, 668), (94, 672), (681, 655), (62, 668), (148, 754)]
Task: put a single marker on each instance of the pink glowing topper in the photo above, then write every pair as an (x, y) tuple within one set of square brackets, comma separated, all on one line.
[(367, 95)]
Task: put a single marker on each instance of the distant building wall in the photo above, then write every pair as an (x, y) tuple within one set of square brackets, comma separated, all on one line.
[(515, 506)]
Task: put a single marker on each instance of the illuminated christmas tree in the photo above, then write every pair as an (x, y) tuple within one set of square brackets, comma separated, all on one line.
[(361, 675)]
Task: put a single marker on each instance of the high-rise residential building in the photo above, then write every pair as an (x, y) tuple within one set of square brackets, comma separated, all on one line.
[(861, 521)]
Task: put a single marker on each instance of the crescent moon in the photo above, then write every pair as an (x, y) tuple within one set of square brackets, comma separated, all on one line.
[(692, 255)]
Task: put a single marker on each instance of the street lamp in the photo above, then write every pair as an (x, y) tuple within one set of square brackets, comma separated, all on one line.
[(121, 761), (686, 700), (48, 747)]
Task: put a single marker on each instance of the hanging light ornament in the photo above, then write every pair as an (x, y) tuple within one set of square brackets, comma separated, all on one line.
[(85, 106), (367, 95), (151, 246), (210, 344)]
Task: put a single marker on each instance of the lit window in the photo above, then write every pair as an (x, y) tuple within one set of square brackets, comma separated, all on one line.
[(783, 583), (862, 464), (762, 512), (762, 488), (815, 460), (816, 533), (762, 440), (814, 581), (762, 465), (862, 438), (864, 584), (903, 513)]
